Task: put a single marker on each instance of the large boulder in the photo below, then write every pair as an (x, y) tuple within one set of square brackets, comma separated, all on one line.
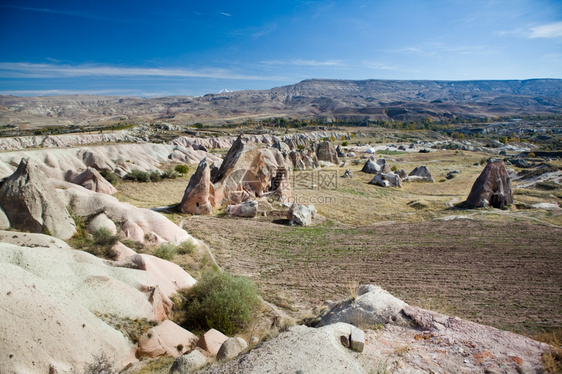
[(492, 187), (196, 198), (92, 180), (420, 174), (372, 306), (248, 209), (301, 215), (231, 348), (32, 204), (387, 180), (212, 341), (327, 152), (189, 363), (166, 339), (376, 166)]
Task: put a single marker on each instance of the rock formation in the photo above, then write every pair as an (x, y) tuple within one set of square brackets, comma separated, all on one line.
[(92, 180), (387, 180), (196, 198), (376, 166), (327, 152), (166, 339), (492, 187), (32, 204), (420, 174), (247, 172), (301, 215)]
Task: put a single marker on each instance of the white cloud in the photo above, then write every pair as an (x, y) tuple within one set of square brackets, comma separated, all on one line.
[(226, 14), (31, 70), (551, 30)]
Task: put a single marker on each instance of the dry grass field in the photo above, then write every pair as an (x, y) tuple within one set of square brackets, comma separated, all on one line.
[(498, 267)]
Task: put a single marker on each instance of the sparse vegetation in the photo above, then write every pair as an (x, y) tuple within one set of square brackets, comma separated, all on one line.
[(138, 176), (101, 364), (219, 300), (110, 176)]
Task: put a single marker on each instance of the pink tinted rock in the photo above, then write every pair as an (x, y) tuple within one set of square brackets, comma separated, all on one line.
[(212, 341), (166, 339)]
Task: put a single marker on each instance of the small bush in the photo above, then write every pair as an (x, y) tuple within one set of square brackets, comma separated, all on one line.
[(138, 176), (182, 169), (155, 176), (169, 174), (100, 365), (166, 251), (110, 176), (344, 144), (220, 301), (186, 248), (531, 154)]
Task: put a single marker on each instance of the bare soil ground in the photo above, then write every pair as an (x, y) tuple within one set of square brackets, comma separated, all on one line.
[(504, 274)]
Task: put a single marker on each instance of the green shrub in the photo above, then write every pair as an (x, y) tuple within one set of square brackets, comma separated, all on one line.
[(169, 174), (220, 301), (182, 169), (166, 251), (344, 144), (110, 176), (186, 248), (155, 176), (138, 176)]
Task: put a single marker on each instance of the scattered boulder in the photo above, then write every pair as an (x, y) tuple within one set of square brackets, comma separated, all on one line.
[(452, 174), (348, 174), (166, 339), (196, 198), (376, 166), (372, 306), (327, 152), (212, 341), (492, 187), (387, 180), (188, 363), (231, 348), (32, 204), (248, 209), (420, 174), (351, 154), (92, 180), (301, 215)]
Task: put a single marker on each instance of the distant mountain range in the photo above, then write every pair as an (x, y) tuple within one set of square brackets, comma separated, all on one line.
[(314, 98)]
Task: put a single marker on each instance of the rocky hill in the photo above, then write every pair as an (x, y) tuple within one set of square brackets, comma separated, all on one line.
[(315, 98)]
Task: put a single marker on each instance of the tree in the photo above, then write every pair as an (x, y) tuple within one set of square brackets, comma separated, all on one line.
[(182, 169)]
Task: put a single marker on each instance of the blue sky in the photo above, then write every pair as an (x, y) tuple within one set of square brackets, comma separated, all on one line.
[(161, 48)]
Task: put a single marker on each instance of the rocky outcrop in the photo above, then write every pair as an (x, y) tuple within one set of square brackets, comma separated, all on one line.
[(303, 159), (247, 172), (301, 215), (387, 180), (196, 198), (32, 204), (420, 174), (92, 180), (491, 188), (386, 333), (348, 174), (376, 166), (327, 152), (189, 363)]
